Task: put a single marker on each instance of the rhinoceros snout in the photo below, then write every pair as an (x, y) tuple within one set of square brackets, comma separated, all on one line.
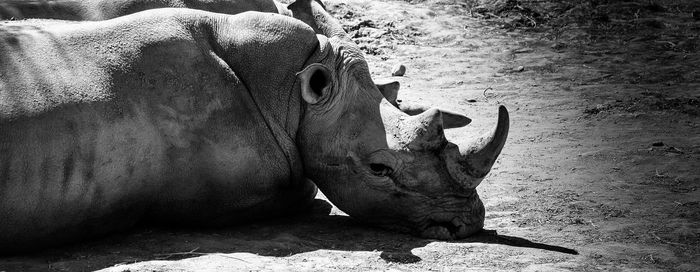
[(453, 227)]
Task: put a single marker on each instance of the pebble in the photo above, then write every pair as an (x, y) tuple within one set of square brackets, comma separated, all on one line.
[(398, 70)]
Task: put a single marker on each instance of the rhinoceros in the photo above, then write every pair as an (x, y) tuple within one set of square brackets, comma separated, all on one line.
[(194, 118), (96, 10)]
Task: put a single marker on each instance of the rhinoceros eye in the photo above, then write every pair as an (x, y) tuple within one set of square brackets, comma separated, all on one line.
[(381, 170)]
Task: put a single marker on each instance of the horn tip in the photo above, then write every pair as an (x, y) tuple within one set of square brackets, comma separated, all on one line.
[(502, 110), (503, 116)]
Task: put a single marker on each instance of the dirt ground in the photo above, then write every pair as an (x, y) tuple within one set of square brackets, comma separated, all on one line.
[(600, 172)]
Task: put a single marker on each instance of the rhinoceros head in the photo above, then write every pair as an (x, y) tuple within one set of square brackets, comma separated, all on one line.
[(377, 163)]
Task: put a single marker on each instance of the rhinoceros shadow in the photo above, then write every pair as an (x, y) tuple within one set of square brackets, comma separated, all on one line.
[(311, 231)]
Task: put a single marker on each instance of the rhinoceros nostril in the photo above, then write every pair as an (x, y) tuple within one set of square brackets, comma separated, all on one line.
[(449, 226), (381, 170)]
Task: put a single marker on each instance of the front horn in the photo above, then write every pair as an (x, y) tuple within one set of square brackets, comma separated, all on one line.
[(476, 158)]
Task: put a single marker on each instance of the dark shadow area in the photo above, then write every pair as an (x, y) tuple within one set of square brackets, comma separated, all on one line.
[(492, 237), (315, 230)]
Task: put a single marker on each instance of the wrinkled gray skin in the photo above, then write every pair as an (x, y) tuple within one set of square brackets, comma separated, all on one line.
[(195, 118), (96, 10)]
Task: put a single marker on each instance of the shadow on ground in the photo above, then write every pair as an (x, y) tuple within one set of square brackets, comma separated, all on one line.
[(316, 230)]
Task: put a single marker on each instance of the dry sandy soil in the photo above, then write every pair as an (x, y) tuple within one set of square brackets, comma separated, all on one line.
[(601, 170)]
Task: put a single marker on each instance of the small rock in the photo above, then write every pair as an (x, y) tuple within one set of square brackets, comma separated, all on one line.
[(655, 7), (558, 46), (398, 70), (376, 34), (523, 50), (601, 17), (520, 68), (657, 144), (674, 150), (653, 23)]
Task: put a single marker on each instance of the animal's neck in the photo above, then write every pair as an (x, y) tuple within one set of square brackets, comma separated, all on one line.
[(266, 52), (266, 59)]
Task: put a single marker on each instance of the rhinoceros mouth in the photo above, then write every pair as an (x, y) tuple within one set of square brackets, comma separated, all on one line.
[(452, 226), (450, 230)]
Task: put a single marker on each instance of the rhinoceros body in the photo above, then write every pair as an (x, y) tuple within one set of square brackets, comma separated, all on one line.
[(106, 123), (198, 118)]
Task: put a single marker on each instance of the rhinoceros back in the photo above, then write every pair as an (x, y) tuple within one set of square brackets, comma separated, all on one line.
[(95, 10)]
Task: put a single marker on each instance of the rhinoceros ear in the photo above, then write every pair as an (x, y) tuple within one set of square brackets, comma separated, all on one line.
[(390, 91), (315, 80)]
